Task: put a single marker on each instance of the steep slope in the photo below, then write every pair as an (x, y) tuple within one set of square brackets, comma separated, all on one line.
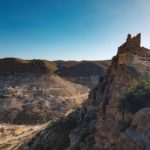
[(111, 130), (86, 73), (31, 92), (131, 63)]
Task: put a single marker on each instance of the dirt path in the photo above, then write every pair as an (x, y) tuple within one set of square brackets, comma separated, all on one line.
[(12, 136)]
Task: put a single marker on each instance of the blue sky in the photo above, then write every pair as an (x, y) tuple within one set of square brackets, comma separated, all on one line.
[(70, 29)]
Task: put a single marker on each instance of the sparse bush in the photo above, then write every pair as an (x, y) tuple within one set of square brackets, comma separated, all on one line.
[(135, 97)]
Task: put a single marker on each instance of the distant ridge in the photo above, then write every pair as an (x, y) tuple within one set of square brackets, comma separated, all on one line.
[(15, 65)]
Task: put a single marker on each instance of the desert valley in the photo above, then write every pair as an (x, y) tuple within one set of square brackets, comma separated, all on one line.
[(77, 105)]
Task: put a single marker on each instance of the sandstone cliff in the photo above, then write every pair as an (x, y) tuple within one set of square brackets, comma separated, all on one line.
[(131, 63), (110, 129)]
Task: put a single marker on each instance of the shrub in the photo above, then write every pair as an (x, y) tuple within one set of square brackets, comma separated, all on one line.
[(135, 97)]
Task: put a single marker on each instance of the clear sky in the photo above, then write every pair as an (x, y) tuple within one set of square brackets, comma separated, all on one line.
[(70, 29)]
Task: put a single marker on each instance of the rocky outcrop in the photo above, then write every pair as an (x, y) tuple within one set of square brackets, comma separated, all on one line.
[(132, 44), (127, 66), (131, 63)]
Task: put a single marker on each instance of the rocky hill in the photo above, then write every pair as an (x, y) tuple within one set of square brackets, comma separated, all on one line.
[(86, 73), (99, 125), (131, 63)]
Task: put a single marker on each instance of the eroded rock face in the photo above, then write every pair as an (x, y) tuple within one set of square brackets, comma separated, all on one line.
[(127, 66), (132, 44), (137, 136), (131, 63)]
